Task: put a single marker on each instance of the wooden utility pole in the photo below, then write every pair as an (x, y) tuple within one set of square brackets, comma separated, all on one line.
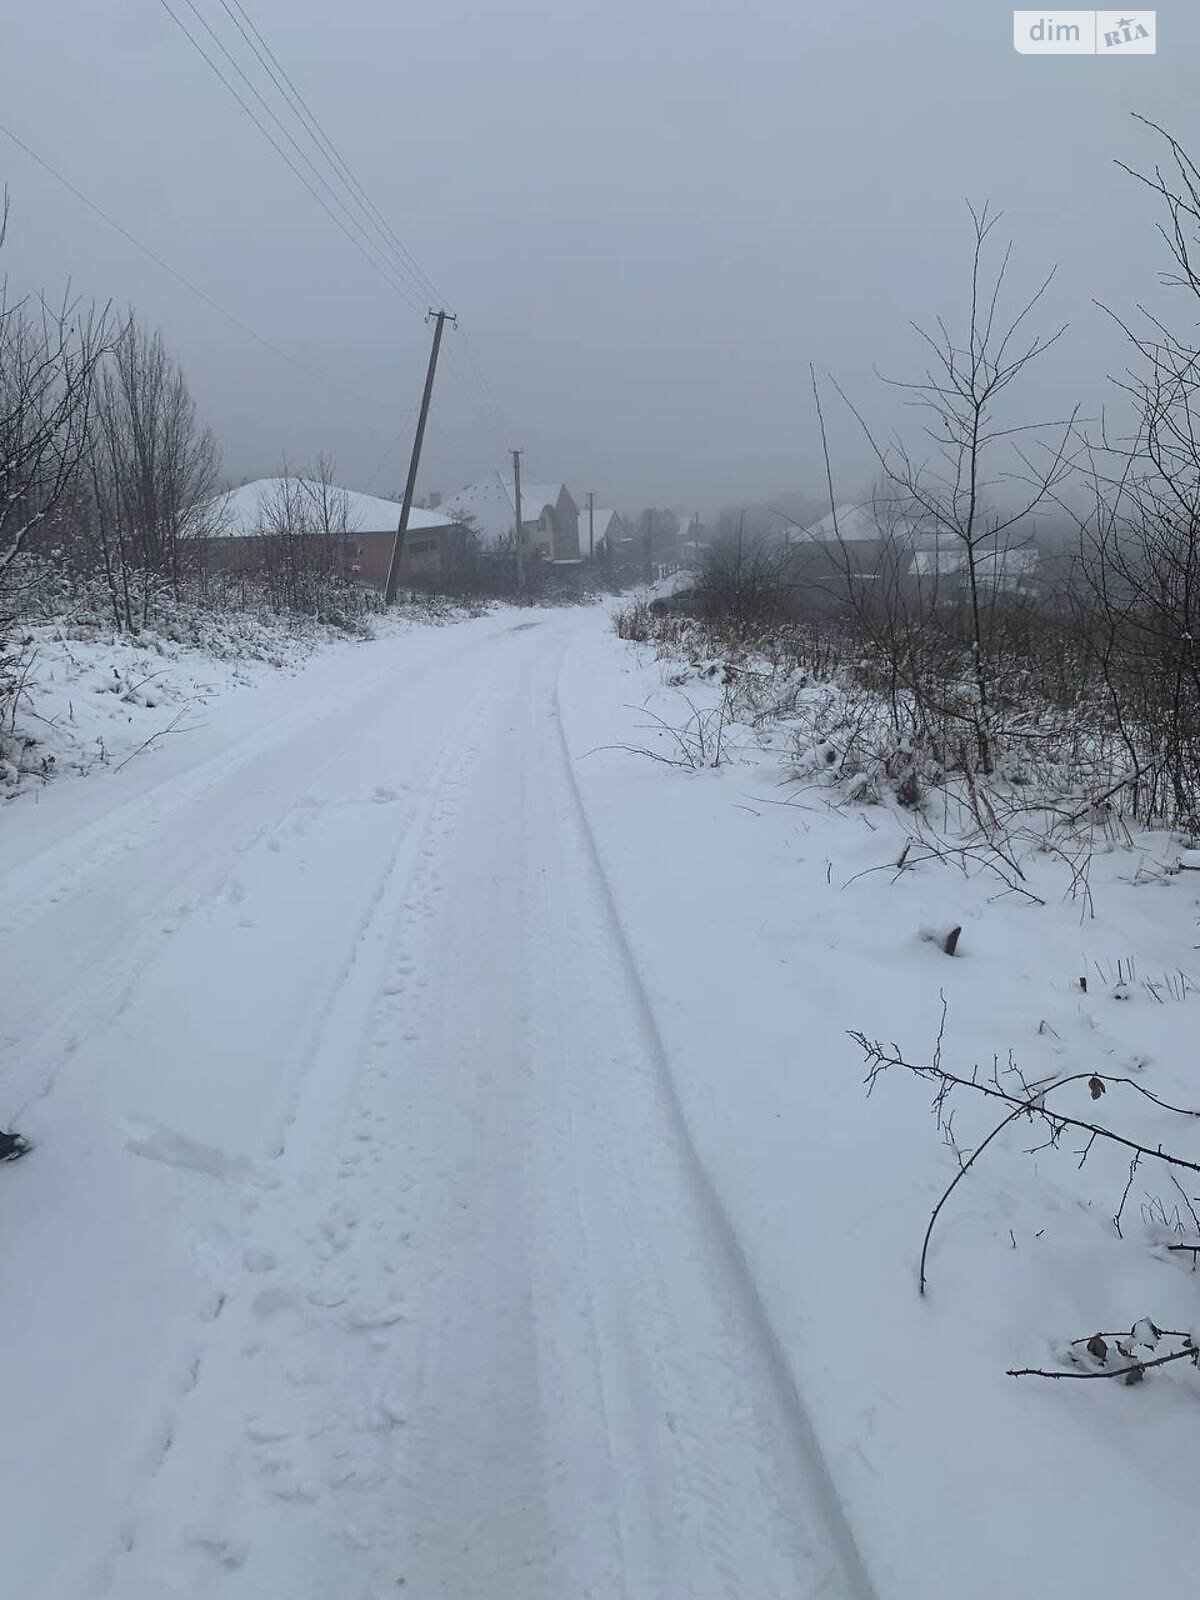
[(439, 319), (591, 525), (649, 544), (516, 455)]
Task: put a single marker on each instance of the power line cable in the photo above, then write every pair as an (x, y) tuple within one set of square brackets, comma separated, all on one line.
[(487, 414), (481, 416), (387, 254), (383, 270), (253, 35), (287, 88), (481, 378), (387, 454), (186, 283), (398, 259)]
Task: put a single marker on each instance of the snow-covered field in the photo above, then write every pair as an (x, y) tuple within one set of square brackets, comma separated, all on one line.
[(453, 1173)]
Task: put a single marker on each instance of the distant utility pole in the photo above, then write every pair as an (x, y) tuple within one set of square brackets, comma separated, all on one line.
[(649, 544), (516, 455), (439, 319), (591, 525)]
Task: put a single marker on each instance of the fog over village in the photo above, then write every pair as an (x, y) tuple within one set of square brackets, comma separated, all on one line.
[(599, 801), (788, 179)]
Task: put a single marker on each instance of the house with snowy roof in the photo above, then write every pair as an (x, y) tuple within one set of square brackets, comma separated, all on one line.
[(691, 543), (601, 532), (363, 526), (1007, 568), (842, 547), (866, 523), (862, 539), (549, 517)]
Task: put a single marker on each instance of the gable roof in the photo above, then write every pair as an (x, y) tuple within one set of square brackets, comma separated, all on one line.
[(849, 522), (240, 512), (604, 522), (491, 504)]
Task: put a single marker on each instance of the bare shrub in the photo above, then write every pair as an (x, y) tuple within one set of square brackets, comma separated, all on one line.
[(49, 358), (1036, 697)]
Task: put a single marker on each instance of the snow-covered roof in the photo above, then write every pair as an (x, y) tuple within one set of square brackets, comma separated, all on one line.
[(849, 522), (492, 505), (242, 512), (602, 523), (1004, 567), (926, 562)]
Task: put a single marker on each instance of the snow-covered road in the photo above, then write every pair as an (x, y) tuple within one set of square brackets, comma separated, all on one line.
[(365, 1249)]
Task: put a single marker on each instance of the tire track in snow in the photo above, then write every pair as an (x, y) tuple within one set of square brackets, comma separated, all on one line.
[(318, 1101), (757, 1323), (252, 1304), (149, 901), (500, 1340)]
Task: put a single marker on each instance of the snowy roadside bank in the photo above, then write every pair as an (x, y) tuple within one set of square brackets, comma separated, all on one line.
[(89, 698), (761, 944)]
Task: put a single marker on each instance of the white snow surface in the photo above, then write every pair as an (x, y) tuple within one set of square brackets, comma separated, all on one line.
[(240, 511), (452, 1176), (599, 527), (849, 522), (92, 699)]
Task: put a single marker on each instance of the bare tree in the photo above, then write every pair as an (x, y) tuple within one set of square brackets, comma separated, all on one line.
[(49, 356), (304, 525), (48, 361), (155, 469), (1141, 554), (971, 449), (330, 504)]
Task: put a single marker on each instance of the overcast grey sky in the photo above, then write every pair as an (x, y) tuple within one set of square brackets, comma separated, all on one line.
[(649, 216)]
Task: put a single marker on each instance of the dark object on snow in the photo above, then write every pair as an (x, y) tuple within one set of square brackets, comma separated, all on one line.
[(12, 1146), (946, 936)]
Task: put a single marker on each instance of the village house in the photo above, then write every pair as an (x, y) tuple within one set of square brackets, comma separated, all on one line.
[(549, 517), (362, 525), (601, 532), (857, 542), (691, 542)]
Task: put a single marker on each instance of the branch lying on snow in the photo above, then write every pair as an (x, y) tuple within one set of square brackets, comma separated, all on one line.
[(964, 1168), (982, 853), (1086, 1358), (699, 742), (1089, 1357), (172, 727), (1030, 1101)]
